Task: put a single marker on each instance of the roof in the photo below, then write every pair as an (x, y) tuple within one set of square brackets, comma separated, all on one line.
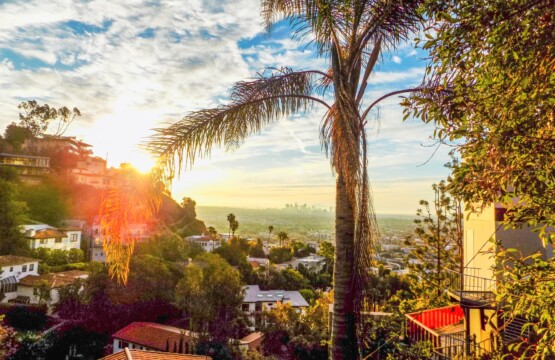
[(128, 354), (54, 280), (153, 335), (254, 294), (251, 337), (11, 260), (48, 234)]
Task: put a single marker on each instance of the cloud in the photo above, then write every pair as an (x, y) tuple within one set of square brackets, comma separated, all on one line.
[(396, 59)]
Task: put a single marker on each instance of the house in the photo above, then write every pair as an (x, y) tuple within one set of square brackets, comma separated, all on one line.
[(31, 169), (251, 342), (92, 171), (153, 336), (95, 237), (31, 288), (206, 242), (312, 263), (46, 236), (258, 262), (12, 269), (256, 300), (473, 327), (67, 144), (134, 354)]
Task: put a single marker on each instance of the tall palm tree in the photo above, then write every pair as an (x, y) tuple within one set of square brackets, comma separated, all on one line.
[(270, 229), (351, 35), (231, 220)]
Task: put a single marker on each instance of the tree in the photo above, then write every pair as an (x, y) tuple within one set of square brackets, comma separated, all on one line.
[(234, 226), (38, 117), (231, 220), (494, 58), (212, 231), (270, 229), (282, 236), (351, 36), (16, 135), (12, 214), (439, 229), (211, 294), (280, 255)]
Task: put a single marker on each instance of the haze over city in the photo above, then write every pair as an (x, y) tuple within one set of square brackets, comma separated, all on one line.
[(141, 66)]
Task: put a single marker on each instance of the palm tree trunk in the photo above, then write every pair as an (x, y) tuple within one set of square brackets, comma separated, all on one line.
[(343, 336)]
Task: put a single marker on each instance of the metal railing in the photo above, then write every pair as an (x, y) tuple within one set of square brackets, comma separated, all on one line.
[(468, 285), (421, 326)]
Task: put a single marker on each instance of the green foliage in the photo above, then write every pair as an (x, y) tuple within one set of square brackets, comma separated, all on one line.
[(526, 292), (491, 91), (210, 292), (170, 247), (439, 228), (75, 256), (12, 215), (150, 278), (279, 255), (15, 136), (37, 117), (257, 250), (47, 202)]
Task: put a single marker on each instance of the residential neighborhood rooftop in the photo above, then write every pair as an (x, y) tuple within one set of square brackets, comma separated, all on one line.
[(54, 280), (254, 294), (134, 354), (11, 260), (153, 335)]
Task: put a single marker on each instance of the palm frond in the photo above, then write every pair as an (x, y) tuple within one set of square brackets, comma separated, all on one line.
[(252, 106)]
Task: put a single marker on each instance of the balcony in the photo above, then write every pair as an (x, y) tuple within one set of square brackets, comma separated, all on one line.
[(470, 288), (443, 327)]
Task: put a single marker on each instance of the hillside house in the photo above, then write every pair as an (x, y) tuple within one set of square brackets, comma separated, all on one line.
[(312, 263), (46, 236), (12, 269), (256, 301), (473, 327), (207, 243), (30, 288), (31, 169), (153, 336)]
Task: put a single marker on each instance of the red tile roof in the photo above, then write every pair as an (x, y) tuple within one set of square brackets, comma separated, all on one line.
[(48, 234), (152, 355), (153, 335)]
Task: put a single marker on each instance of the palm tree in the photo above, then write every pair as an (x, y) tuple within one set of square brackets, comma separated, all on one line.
[(351, 35), (282, 236), (270, 229), (234, 226), (231, 220)]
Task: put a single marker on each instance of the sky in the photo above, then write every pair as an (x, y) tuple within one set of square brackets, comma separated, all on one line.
[(131, 66)]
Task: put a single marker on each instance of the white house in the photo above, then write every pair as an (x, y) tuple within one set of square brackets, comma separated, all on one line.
[(13, 268), (46, 236), (29, 292), (206, 242), (256, 300), (313, 263)]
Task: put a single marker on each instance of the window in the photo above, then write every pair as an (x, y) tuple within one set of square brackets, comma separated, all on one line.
[(245, 307), (73, 238), (24, 268), (11, 268), (35, 291), (58, 240), (31, 267), (43, 241)]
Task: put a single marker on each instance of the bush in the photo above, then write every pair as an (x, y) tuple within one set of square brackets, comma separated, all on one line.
[(23, 317), (280, 255)]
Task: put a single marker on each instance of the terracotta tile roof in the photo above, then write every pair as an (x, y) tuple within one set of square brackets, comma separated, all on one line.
[(152, 355), (153, 335), (55, 280), (10, 260), (48, 234), (252, 337)]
